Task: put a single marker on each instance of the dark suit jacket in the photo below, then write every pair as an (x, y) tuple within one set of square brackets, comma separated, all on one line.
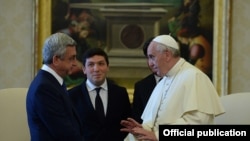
[(142, 92), (51, 115), (119, 108)]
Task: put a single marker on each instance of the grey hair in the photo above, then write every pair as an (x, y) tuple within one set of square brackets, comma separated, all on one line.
[(161, 47), (56, 45)]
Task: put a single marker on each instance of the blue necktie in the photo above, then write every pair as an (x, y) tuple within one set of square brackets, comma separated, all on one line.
[(99, 106)]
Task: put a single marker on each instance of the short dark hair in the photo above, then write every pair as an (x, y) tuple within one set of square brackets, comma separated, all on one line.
[(92, 52), (145, 46)]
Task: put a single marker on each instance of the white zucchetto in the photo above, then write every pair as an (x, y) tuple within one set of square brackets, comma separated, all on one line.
[(167, 40)]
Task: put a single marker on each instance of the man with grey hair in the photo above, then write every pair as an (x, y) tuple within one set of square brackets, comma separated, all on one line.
[(51, 115), (185, 95)]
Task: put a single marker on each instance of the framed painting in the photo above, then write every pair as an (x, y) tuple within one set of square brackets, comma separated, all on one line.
[(121, 28)]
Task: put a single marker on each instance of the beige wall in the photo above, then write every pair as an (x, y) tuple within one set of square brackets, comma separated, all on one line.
[(17, 44), (239, 62)]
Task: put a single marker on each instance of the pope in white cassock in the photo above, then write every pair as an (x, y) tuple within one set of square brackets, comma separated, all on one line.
[(185, 95)]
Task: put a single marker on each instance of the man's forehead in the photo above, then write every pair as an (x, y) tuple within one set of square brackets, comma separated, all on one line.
[(152, 46), (95, 58)]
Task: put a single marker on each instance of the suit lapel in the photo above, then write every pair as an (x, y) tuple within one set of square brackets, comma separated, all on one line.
[(64, 96), (86, 97), (87, 104)]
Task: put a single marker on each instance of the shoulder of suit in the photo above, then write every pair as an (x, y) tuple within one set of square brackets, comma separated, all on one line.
[(150, 77), (76, 88)]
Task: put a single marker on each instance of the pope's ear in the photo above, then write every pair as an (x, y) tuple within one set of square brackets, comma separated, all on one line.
[(168, 53)]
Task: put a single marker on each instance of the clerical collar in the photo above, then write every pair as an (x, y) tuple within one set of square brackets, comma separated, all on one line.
[(175, 69)]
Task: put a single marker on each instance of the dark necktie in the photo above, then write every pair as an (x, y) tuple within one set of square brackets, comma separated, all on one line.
[(160, 79), (64, 87), (99, 105)]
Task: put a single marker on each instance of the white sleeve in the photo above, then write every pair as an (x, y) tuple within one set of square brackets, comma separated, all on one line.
[(195, 117)]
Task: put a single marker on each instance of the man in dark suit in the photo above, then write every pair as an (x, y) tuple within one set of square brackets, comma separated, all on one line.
[(143, 89), (114, 98), (51, 115)]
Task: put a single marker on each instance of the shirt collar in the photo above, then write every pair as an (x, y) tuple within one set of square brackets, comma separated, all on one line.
[(175, 69), (51, 71), (157, 78), (91, 86)]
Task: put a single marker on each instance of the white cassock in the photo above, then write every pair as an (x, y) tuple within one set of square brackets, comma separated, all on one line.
[(184, 89)]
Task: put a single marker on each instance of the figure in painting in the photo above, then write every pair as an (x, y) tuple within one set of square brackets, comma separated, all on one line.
[(80, 24), (200, 54), (189, 8), (194, 46)]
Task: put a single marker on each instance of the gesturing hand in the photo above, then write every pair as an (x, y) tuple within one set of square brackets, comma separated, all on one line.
[(142, 134), (137, 130), (129, 124)]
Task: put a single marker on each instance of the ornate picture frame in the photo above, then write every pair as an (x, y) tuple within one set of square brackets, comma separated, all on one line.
[(220, 43)]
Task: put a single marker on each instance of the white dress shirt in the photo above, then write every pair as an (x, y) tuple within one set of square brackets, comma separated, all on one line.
[(103, 93)]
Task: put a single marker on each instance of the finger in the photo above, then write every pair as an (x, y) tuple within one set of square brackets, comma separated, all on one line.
[(125, 130), (128, 124), (134, 122), (125, 123), (142, 138)]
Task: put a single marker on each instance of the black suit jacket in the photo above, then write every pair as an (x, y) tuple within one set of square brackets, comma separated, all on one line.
[(51, 114), (142, 92), (118, 108)]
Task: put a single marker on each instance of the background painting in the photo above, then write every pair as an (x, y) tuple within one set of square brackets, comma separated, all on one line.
[(91, 28)]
